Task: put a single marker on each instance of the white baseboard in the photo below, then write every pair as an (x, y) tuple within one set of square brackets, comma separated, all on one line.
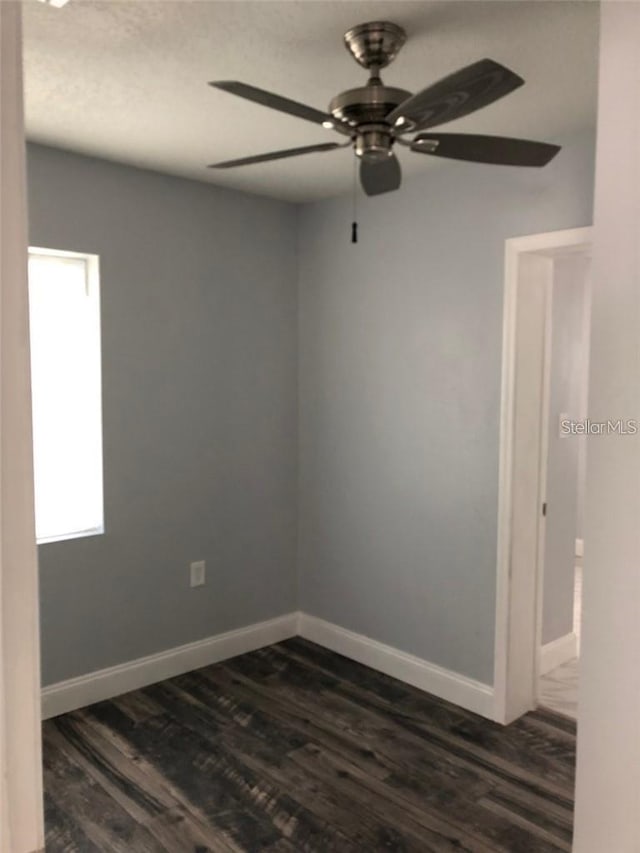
[(107, 683), (579, 547), (558, 652), (115, 680), (463, 691)]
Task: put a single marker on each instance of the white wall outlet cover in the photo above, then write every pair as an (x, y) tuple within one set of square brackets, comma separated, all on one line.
[(197, 573)]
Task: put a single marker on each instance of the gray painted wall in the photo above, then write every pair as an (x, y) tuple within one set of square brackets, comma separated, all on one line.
[(398, 341), (400, 363), (199, 315), (566, 397)]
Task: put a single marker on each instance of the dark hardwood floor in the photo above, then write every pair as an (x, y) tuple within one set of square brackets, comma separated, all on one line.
[(294, 748)]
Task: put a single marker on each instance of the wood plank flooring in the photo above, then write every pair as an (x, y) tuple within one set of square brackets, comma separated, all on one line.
[(293, 748)]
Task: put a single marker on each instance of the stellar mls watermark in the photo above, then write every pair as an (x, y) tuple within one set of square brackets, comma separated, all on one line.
[(612, 426)]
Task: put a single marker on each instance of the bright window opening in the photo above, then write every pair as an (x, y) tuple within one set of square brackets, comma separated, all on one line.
[(64, 313)]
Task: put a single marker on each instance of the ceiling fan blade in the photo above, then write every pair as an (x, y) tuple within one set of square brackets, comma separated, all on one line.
[(457, 95), (278, 155), (380, 176), (269, 99), (500, 150)]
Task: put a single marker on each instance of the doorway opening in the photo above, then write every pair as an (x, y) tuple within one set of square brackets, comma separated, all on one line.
[(542, 463)]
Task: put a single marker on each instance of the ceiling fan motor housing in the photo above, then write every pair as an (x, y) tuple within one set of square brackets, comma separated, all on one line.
[(365, 109), (370, 103)]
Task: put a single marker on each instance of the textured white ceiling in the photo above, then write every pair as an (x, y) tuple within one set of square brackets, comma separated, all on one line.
[(128, 80)]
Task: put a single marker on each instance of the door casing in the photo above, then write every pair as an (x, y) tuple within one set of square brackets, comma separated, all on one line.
[(522, 472)]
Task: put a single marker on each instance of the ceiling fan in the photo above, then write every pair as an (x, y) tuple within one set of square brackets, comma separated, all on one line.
[(374, 117)]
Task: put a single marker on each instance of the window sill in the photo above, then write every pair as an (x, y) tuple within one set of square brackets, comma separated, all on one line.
[(62, 537)]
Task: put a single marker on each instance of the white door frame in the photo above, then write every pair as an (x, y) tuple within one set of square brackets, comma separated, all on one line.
[(21, 812), (528, 260)]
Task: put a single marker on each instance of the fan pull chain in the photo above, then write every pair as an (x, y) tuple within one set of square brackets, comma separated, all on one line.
[(354, 224)]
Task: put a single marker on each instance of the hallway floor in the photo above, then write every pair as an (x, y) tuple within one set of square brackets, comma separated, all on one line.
[(558, 689)]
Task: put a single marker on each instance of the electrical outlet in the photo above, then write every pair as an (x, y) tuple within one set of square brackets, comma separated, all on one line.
[(198, 573)]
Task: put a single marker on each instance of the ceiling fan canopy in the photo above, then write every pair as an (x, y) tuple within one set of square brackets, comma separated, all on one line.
[(375, 117)]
